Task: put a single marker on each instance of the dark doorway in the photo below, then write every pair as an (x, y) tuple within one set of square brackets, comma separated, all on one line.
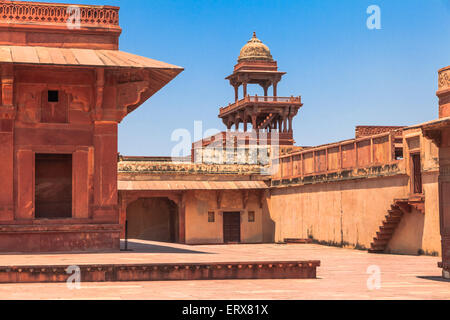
[(53, 186), (231, 227), (153, 219), (417, 174)]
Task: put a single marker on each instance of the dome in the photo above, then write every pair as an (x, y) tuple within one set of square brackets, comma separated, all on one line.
[(255, 50)]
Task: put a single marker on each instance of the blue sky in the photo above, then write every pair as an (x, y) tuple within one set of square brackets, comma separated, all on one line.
[(346, 74)]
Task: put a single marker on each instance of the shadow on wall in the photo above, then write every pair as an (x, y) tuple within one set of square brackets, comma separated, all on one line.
[(408, 237), (153, 219), (139, 247), (268, 224)]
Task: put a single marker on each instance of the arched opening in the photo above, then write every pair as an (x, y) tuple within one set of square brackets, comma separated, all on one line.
[(154, 219)]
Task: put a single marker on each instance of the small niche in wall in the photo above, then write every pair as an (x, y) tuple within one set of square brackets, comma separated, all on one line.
[(53, 96), (211, 217), (251, 216), (54, 107)]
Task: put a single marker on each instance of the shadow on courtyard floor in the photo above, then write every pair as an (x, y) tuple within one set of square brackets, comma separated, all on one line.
[(137, 247), (440, 279)]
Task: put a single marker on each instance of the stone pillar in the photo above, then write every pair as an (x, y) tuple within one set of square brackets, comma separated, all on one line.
[(255, 126), (24, 185), (6, 169), (266, 91), (245, 89), (444, 198), (81, 183), (182, 218), (7, 116), (444, 92), (105, 168), (444, 168), (236, 93), (123, 204)]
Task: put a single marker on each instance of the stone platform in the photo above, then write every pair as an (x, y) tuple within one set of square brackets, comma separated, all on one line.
[(163, 272), (155, 261)]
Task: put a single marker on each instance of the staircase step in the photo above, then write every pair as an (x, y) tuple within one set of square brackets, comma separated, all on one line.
[(384, 236), (390, 224), (387, 229), (382, 242), (395, 213), (393, 219), (380, 248)]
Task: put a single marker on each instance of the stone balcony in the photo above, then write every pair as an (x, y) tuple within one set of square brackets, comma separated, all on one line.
[(265, 102)]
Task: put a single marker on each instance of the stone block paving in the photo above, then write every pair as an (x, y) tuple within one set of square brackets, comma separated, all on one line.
[(343, 275)]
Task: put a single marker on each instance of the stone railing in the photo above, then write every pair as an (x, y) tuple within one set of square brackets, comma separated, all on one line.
[(352, 154), (20, 12), (262, 99), (143, 167)]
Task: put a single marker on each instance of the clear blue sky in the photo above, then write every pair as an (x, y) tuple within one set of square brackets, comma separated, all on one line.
[(346, 74)]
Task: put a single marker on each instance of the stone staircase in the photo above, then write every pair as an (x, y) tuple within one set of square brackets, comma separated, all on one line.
[(393, 219)]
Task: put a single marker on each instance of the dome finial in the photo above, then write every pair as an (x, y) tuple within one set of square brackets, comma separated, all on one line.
[(254, 34)]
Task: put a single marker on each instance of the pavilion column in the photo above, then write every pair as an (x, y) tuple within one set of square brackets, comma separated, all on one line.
[(24, 184), (6, 169), (245, 124), (290, 124), (245, 89), (82, 162), (105, 168), (443, 94), (236, 93), (123, 204), (7, 115), (182, 219), (254, 123), (275, 90)]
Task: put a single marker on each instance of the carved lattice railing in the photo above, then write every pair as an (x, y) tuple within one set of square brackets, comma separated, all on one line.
[(58, 13)]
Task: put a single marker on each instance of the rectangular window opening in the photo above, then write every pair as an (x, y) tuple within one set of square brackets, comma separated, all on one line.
[(53, 96), (211, 217), (251, 216), (417, 174), (53, 186)]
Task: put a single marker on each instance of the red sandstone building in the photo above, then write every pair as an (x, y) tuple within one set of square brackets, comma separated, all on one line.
[(64, 91)]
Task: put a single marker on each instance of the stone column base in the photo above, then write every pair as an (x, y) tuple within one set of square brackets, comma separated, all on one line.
[(446, 274)]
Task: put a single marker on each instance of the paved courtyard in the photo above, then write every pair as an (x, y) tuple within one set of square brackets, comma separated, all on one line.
[(343, 275)]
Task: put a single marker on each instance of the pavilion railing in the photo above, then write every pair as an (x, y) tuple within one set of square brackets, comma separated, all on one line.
[(256, 99), (346, 155), (16, 11)]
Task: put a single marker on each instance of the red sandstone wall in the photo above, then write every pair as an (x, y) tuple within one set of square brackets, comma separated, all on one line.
[(347, 211), (199, 203)]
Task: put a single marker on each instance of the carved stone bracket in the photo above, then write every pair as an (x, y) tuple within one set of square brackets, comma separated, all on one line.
[(130, 94), (434, 135)]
